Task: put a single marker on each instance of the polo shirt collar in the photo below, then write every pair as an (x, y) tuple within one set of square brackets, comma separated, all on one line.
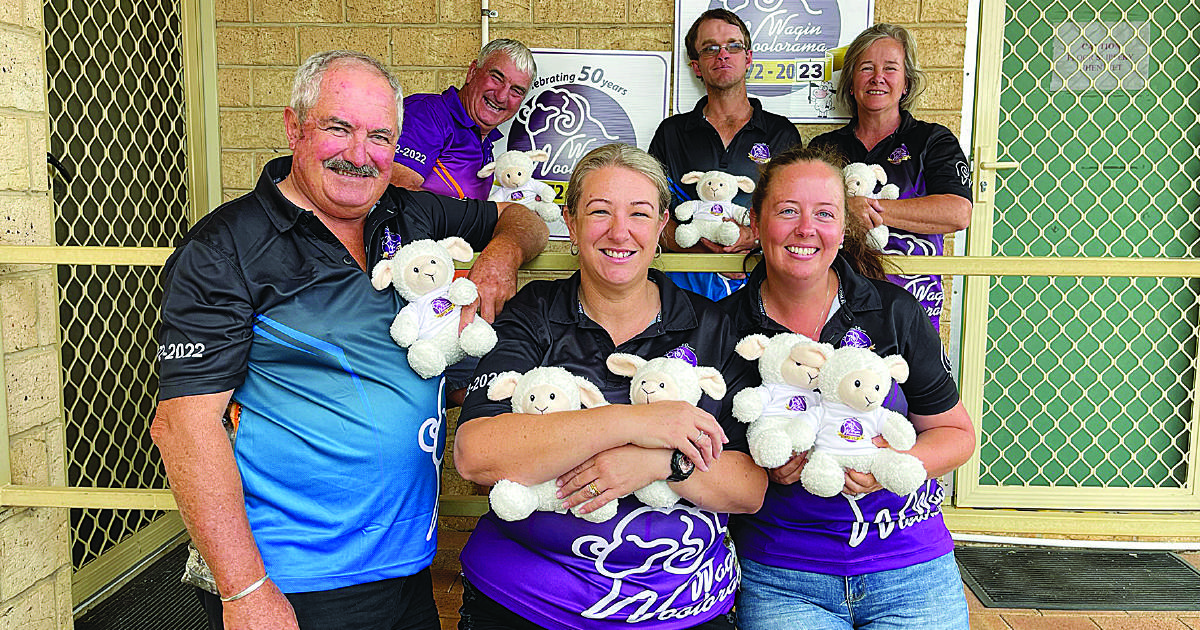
[(453, 103), (858, 294), (906, 122), (284, 214), (675, 314), (758, 119)]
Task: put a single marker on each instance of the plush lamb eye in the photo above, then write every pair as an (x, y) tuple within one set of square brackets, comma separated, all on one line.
[(416, 270), (532, 398), (662, 385), (551, 396), (858, 383)]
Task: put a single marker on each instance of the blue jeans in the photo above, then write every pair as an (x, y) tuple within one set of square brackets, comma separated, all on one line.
[(926, 596)]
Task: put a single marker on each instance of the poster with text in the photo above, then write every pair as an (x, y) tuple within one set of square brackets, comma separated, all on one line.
[(583, 99), (798, 47)]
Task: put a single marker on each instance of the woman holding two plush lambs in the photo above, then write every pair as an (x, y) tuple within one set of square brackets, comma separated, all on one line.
[(662, 568), (866, 558), (879, 84)]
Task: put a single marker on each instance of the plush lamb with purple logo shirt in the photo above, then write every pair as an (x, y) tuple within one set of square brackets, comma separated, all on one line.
[(785, 411), (716, 190), (539, 391), (423, 273), (514, 182), (861, 180), (853, 384), (664, 378)]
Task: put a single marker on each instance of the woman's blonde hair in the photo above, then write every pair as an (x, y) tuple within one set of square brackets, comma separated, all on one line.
[(625, 156), (913, 76)]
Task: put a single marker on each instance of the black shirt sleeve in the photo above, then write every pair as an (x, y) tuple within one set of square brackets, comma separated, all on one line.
[(930, 388), (520, 345), (945, 167), (207, 323)]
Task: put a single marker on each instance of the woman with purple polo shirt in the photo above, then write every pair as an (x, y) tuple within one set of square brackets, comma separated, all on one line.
[(653, 568), (866, 558)]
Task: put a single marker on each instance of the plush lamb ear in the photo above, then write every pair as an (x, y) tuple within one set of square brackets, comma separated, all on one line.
[(711, 382), (751, 348), (745, 184), (810, 354), (624, 364), (381, 275), (487, 170), (880, 174), (589, 394), (459, 249), (503, 385), (691, 178), (897, 367), (538, 155)]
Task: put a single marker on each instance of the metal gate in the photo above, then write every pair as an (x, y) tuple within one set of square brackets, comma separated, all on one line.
[(121, 153), (1085, 364)]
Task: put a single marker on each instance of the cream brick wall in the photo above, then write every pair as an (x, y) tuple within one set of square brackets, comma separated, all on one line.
[(35, 571), (429, 43)]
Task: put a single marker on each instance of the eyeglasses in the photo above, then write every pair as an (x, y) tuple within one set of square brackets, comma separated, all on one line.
[(733, 48)]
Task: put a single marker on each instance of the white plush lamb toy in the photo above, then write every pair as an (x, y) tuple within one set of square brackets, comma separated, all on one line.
[(861, 180), (784, 412), (514, 182), (664, 378), (716, 190), (422, 272), (538, 391), (853, 383)]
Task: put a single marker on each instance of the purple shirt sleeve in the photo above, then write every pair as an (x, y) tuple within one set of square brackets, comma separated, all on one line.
[(425, 134)]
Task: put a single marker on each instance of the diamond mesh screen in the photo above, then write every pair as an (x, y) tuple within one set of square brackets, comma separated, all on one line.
[(116, 104), (1090, 381)]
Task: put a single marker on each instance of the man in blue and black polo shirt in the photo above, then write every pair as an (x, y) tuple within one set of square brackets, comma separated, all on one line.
[(323, 514), (726, 131)]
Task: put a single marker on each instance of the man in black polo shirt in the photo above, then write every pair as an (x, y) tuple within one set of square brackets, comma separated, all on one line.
[(323, 514), (726, 131)]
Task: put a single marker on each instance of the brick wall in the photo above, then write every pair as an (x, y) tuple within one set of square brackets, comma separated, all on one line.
[(35, 574), (429, 44)]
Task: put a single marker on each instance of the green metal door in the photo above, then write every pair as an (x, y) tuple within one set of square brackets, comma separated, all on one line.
[(1087, 383)]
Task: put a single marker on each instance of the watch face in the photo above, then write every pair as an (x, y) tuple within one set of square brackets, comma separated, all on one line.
[(683, 464)]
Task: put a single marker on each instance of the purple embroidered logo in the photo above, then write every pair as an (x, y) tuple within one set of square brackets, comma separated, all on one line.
[(391, 244), (517, 195), (760, 153), (797, 403), (899, 155), (684, 353), (851, 430), (716, 209), (441, 307), (856, 338)]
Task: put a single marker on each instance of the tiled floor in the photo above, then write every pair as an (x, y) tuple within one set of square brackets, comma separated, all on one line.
[(447, 589)]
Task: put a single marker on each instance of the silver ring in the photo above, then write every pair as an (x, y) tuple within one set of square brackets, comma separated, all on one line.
[(701, 436)]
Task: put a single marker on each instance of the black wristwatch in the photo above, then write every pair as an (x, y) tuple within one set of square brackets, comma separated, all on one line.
[(681, 466)]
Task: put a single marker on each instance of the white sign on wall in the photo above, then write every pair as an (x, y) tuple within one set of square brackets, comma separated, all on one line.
[(797, 45), (1100, 56), (583, 99)]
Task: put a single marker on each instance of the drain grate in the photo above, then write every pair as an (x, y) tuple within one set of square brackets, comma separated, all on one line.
[(1079, 579), (154, 600)]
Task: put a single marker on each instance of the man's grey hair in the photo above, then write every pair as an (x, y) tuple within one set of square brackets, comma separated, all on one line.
[(521, 57), (306, 87)]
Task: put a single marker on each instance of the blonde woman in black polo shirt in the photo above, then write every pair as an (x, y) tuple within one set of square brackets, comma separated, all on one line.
[(661, 568)]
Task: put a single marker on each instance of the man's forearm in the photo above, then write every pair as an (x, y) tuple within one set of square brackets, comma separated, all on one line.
[(208, 491), (520, 228)]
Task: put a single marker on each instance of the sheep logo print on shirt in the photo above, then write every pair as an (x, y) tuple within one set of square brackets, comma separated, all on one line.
[(688, 581)]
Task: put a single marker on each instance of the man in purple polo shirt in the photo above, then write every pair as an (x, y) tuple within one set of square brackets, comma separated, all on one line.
[(448, 137)]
